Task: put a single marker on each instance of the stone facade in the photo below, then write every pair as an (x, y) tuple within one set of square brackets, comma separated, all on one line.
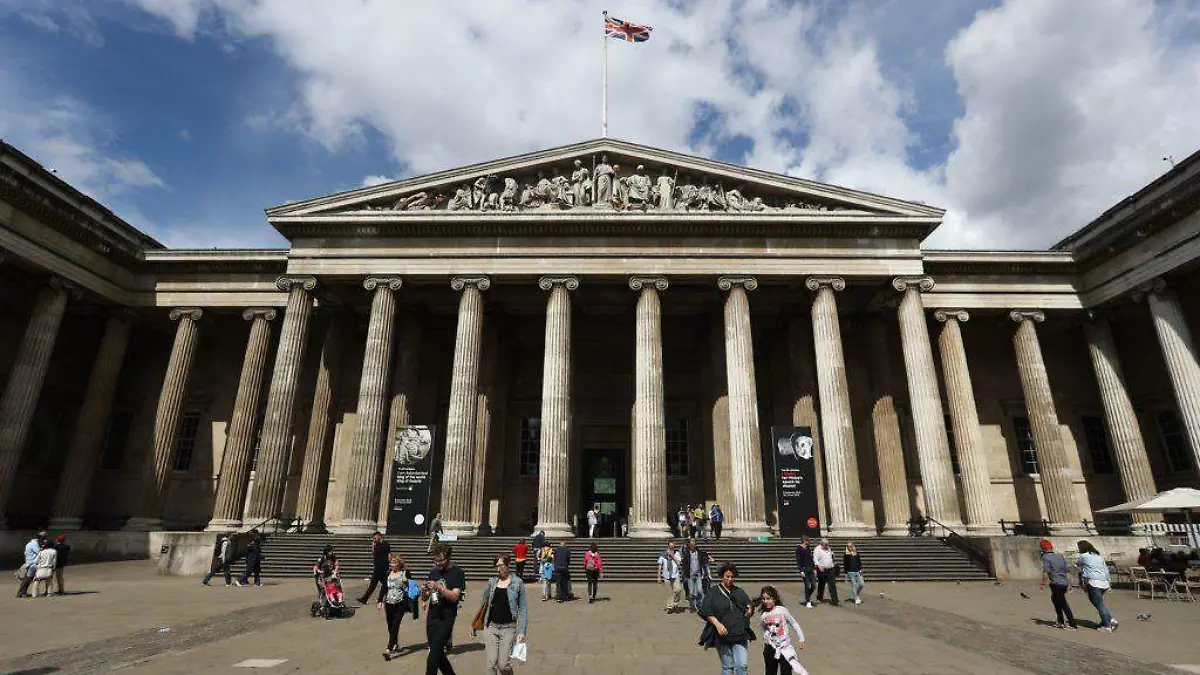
[(148, 388)]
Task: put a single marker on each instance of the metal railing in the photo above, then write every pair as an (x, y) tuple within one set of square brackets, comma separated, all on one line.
[(1027, 528), (977, 553)]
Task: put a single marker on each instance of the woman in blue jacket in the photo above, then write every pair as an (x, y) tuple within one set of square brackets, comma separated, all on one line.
[(505, 616)]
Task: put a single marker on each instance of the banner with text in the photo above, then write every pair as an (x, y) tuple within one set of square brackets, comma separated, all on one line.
[(412, 465), (795, 481)]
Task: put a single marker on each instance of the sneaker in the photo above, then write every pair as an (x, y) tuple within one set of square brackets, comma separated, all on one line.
[(858, 601), (1059, 626), (808, 605), (204, 582), (1072, 627), (1105, 629), (237, 583), (1113, 624)]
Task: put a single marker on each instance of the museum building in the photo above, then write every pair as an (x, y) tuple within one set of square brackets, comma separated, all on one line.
[(605, 324)]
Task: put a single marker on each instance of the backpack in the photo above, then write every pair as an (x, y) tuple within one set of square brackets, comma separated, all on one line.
[(590, 563)]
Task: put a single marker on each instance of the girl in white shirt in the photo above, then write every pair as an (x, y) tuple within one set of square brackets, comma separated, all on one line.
[(779, 652)]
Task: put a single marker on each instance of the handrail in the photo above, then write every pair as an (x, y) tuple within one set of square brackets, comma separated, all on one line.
[(1037, 528), (962, 543)]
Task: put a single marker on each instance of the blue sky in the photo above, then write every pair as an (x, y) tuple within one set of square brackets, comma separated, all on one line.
[(1024, 119)]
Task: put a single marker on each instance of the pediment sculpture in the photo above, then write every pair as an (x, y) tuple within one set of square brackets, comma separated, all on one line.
[(602, 187)]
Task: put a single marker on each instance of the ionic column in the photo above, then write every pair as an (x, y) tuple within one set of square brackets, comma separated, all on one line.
[(844, 496), (318, 450), (748, 515), (1129, 450), (723, 482), (161, 460), (239, 441), (484, 411), (925, 400), (275, 446), (1179, 351), (76, 478), (964, 419), (459, 465), (555, 446), (24, 386), (804, 405), (1057, 486), (648, 509), (885, 426), (404, 389), (359, 515)]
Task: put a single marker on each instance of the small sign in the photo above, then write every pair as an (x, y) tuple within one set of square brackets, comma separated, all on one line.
[(166, 548)]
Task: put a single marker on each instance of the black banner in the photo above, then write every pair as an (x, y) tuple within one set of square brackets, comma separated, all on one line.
[(795, 481), (412, 465)]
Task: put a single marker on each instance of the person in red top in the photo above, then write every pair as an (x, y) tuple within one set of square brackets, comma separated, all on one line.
[(520, 554), (593, 569)]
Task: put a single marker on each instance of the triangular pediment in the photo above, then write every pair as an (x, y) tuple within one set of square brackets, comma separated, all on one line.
[(602, 176)]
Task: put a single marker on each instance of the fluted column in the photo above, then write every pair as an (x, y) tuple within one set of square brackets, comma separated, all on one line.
[(748, 516), (359, 514), (485, 400), (26, 379), (648, 509), (275, 445), (841, 459), (804, 405), (722, 480), (459, 464), (964, 419), (239, 440), (1057, 485), (885, 426), (404, 389), (318, 450), (161, 460), (76, 479), (1129, 449), (925, 400), (1179, 352), (554, 453)]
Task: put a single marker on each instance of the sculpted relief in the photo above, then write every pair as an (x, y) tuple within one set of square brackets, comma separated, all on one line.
[(603, 186)]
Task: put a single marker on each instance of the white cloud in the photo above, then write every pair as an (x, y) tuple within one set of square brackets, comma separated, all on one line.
[(183, 15), (376, 179)]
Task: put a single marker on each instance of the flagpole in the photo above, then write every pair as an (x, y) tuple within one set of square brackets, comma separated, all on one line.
[(604, 104)]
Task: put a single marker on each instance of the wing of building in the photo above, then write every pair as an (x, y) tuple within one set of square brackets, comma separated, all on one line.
[(598, 325)]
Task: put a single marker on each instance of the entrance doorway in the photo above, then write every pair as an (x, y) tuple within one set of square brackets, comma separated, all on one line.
[(603, 477)]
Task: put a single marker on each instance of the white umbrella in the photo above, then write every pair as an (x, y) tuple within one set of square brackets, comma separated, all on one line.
[(1182, 500)]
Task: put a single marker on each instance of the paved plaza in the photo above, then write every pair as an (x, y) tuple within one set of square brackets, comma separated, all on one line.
[(122, 616)]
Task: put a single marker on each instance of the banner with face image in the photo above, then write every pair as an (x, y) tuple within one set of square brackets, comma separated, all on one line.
[(412, 466), (795, 481)]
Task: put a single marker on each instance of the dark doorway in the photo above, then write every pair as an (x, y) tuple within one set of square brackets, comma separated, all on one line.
[(603, 486)]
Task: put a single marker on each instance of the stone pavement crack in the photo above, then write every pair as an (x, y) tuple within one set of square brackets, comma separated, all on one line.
[(1015, 647), (142, 645)]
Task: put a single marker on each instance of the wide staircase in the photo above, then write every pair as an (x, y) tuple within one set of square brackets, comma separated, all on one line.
[(884, 558)]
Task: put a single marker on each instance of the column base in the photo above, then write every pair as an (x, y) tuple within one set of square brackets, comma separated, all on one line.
[(463, 529), (65, 523), (143, 524), (747, 531), (851, 530), (555, 530), (650, 531), (318, 527), (223, 525), (896, 530), (1069, 530), (355, 527), (984, 530)]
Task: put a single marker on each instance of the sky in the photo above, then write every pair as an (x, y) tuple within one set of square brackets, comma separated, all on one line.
[(1024, 119)]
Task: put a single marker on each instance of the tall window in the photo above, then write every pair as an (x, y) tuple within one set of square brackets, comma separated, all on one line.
[(953, 447), (530, 448), (185, 442), (115, 440), (1025, 447), (1170, 431), (1097, 443), (677, 447)]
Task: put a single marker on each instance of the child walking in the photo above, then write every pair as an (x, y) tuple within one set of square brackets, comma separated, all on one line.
[(779, 652)]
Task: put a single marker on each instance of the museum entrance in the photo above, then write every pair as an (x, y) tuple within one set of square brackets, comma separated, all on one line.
[(603, 485)]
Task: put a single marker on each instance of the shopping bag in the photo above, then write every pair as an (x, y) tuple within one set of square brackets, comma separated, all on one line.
[(520, 652)]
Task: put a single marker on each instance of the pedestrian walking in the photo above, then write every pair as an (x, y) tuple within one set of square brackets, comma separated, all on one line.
[(253, 563), (1054, 573), (505, 617), (593, 521), (593, 569), (717, 518), (804, 565), (63, 549), (443, 591), (727, 608), (681, 519), (394, 601), (381, 552), (29, 567), (546, 570), (520, 555), (221, 559), (539, 540), (435, 528), (562, 571), (690, 520), (1094, 578), (700, 520), (826, 573), (45, 562), (694, 569), (852, 562), (669, 571), (779, 651)]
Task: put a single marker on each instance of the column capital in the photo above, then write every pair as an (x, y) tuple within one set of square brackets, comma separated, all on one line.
[(391, 283), (727, 283), (569, 283), (1156, 286), (1035, 315), (657, 283), (191, 313), (62, 285), (459, 283), (959, 315), (922, 284), (286, 284), (817, 283), (252, 313)]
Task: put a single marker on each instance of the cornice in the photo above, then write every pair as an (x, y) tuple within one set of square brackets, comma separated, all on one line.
[(940, 262)]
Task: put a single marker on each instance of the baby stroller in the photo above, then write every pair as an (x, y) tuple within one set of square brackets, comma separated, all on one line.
[(331, 601)]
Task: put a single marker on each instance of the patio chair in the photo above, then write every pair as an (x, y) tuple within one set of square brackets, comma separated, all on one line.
[(1188, 588), (1139, 577)]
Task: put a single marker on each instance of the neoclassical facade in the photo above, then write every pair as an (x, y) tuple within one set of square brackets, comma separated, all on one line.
[(598, 323)]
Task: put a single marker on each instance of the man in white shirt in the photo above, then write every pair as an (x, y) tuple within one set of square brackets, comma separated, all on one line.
[(593, 521), (826, 572), (669, 573)]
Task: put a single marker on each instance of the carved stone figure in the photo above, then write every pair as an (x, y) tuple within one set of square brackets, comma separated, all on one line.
[(461, 201), (508, 196), (637, 189), (755, 204), (420, 201), (665, 192), (479, 191), (564, 196), (604, 182), (687, 197), (543, 192), (620, 198), (581, 185)]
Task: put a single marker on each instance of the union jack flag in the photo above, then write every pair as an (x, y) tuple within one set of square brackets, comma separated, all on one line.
[(623, 30)]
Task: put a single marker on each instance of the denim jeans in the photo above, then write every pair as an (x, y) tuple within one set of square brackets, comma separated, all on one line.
[(1096, 595), (733, 658), (856, 584), (695, 591)]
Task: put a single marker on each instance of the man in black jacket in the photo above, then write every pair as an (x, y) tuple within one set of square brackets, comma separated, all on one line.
[(804, 563), (380, 550), (694, 565)]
